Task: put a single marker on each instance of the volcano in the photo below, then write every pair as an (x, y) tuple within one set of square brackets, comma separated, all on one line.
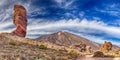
[(63, 38)]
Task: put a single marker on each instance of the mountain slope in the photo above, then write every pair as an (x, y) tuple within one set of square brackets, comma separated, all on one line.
[(67, 39), (17, 48)]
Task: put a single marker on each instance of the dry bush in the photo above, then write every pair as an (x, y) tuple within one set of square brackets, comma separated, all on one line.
[(12, 43), (42, 47), (98, 54), (72, 52)]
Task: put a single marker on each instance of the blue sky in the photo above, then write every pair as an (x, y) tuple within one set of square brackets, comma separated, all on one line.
[(96, 20)]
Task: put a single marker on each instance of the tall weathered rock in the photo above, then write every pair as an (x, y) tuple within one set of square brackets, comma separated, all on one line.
[(20, 20)]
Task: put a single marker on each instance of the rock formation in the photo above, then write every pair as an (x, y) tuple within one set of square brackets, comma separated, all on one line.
[(106, 47), (80, 47), (89, 49), (20, 21)]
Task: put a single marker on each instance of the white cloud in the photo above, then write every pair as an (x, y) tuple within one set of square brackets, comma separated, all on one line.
[(52, 27), (99, 40), (111, 9), (38, 27), (113, 6), (69, 15), (96, 18), (79, 24), (2, 2), (111, 12), (66, 4), (59, 1), (81, 14)]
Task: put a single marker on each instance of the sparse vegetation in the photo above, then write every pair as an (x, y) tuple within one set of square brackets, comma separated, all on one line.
[(11, 42), (45, 52), (73, 52), (42, 46)]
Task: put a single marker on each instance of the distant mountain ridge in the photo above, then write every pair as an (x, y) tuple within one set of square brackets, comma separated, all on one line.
[(63, 38)]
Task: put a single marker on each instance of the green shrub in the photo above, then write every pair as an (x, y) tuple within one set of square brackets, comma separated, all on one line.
[(43, 47), (72, 52), (12, 43), (98, 54)]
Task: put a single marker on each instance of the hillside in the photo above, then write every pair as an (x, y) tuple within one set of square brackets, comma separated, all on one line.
[(67, 39), (17, 48)]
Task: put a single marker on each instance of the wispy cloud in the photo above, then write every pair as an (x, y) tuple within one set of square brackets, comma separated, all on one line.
[(97, 25), (78, 25), (96, 39), (51, 27), (111, 9), (66, 4), (38, 27)]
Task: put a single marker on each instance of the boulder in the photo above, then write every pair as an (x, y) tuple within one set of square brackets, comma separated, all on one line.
[(106, 47)]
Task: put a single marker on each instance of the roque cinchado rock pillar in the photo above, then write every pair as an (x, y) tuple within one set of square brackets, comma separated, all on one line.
[(20, 20)]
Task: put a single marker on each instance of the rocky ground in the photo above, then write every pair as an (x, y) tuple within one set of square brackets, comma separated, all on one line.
[(18, 48), (14, 50), (30, 52)]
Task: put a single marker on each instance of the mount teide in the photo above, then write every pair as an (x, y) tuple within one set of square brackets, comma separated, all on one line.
[(63, 38)]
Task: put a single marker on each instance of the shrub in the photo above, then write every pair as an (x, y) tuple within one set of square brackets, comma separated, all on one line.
[(98, 54), (43, 47), (72, 52), (12, 43)]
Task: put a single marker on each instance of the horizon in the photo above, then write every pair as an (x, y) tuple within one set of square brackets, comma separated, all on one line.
[(97, 21)]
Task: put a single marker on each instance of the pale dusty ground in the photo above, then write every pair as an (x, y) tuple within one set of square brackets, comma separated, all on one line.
[(89, 57)]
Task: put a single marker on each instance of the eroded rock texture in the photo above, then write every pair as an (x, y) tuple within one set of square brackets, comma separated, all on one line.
[(20, 21), (81, 47), (106, 47), (89, 49)]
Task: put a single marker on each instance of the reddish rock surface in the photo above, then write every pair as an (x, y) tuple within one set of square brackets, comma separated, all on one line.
[(20, 21), (106, 47)]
